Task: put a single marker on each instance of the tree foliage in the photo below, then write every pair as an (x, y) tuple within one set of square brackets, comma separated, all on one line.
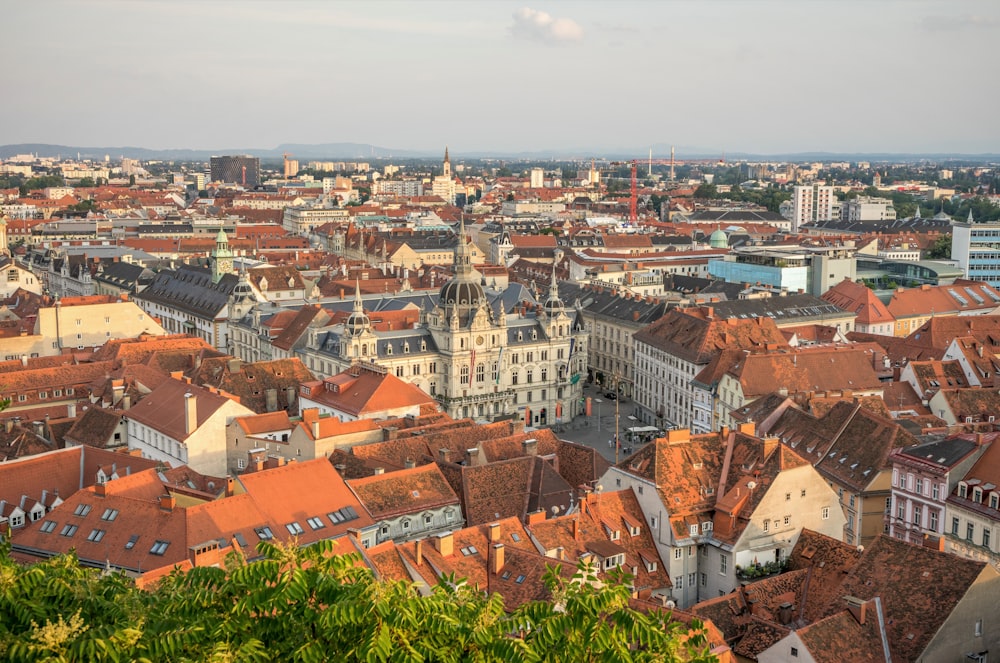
[(941, 248), (306, 604)]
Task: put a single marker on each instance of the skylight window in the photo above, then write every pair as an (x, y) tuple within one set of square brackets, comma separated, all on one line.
[(68, 530), (264, 533), (315, 523), (159, 547), (48, 526), (82, 510), (294, 528), (109, 514), (131, 542), (95, 535)]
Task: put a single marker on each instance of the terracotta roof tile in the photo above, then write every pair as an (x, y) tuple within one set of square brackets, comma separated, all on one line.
[(404, 491)]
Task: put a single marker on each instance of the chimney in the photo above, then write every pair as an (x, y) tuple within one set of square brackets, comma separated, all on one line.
[(341, 468), (315, 429), (576, 528), (785, 613), (190, 413), (271, 400), (444, 455), (230, 486), (497, 559), (378, 470), (100, 489), (71, 410), (530, 447), (234, 365), (635, 316), (770, 444), (409, 463), (24, 360), (536, 517), (167, 502), (445, 544), (857, 608), (420, 552), (494, 532), (472, 457)]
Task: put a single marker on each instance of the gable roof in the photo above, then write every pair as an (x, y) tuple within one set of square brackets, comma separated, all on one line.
[(404, 491), (164, 408)]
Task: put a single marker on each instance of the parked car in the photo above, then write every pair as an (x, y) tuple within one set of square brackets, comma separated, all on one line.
[(611, 396)]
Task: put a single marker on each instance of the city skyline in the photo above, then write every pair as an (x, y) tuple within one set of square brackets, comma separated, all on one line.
[(566, 76)]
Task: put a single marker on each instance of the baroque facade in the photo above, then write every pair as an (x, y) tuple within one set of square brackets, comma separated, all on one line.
[(481, 355)]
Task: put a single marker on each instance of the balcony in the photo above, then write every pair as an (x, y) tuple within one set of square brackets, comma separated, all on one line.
[(758, 571)]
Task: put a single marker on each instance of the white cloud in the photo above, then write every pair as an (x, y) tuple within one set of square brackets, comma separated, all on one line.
[(541, 26)]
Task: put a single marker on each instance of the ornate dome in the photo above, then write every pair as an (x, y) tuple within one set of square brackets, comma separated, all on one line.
[(466, 295), (356, 324)]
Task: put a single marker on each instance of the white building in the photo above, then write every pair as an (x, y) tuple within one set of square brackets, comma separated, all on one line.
[(812, 203)]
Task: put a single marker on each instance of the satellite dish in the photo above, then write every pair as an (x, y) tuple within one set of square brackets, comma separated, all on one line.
[(599, 488), (861, 549), (670, 605), (751, 485), (555, 510)]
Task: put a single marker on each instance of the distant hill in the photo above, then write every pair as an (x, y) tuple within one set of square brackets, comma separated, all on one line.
[(359, 151)]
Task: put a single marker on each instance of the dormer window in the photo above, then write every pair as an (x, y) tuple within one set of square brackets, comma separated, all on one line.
[(977, 495), (994, 500), (693, 530), (963, 490)]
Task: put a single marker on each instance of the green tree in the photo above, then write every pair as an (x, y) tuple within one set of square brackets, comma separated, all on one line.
[(307, 604), (706, 191), (86, 182), (941, 247)]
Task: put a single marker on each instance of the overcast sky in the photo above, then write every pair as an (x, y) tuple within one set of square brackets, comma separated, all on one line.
[(739, 76)]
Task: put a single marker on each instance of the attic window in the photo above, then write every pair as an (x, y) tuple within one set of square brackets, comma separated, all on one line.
[(520, 579), (131, 542), (48, 526), (264, 533), (82, 510), (109, 514), (469, 550), (159, 547), (517, 537), (294, 528), (95, 535), (315, 523), (415, 493)]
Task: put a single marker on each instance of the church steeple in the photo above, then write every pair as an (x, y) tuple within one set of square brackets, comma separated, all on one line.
[(447, 164), (358, 322)]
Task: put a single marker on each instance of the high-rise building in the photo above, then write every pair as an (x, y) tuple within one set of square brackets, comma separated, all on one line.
[(244, 170), (812, 202), (974, 249), (537, 178)]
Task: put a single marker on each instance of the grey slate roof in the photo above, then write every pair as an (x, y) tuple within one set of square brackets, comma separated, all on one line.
[(190, 289), (945, 452), (803, 308)]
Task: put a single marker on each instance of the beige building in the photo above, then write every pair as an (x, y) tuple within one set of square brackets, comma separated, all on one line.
[(183, 424), (72, 325), (722, 502)]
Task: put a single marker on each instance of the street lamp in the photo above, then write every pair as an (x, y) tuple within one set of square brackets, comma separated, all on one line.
[(598, 401)]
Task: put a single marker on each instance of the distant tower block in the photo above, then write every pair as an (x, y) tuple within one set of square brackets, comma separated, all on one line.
[(537, 178)]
